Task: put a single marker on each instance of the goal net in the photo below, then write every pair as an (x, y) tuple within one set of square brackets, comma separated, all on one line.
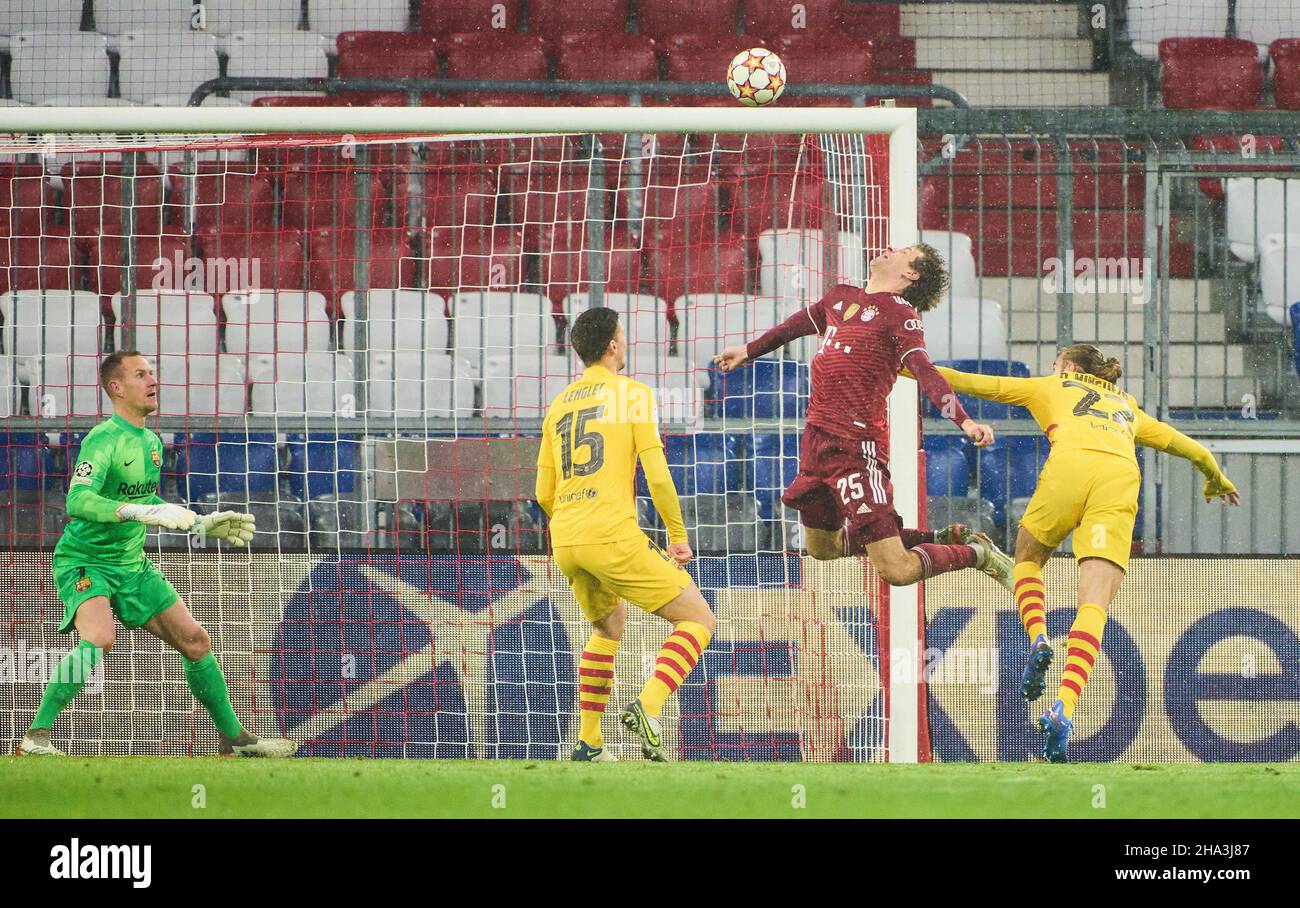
[(358, 327)]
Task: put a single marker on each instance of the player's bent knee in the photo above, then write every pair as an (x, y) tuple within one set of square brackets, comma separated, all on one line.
[(196, 644)]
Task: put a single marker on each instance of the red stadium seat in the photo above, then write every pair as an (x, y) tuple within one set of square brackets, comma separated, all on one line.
[(566, 262), (278, 254), (46, 262), (553, 19), (702, 58), (234, 196), (781, 17), (1263, 145), (494, 55), (1210, 74), (444, 17), (611, 58), (893, 52), (333, 258), (317, 197), (379, 54), (161, 264), (827, 58), (92, 191), (543, 194), (679, 204), (662, 18), (904, 77), (710, 267), (779, 199), (474, 258), (26, 199), (869, 20), (1286, 73), (449, 196)]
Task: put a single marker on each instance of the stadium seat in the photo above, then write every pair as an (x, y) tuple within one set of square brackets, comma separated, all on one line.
[(43, 330), (334, 257), (606, 57), (40, 15), (46, 262), (80, 59), (984, 409), (323, 464), (397, 320), (1257, 208), (26, 200), (556, 20), (94, 191), (956, 249), (165, 67), (661, 18), (776, 463), (330, 17), (269, 54), (707, 463), (197, 384), (966, 328), (792, 264), (1008, 470), (769, 389), (976, 513), (781, 17), (566, 263), (947, 465), (722, 524), (474, 258), (493, 55), (645, 322), (226, 17), (168, 320), (695, 269), (227, 464), (318, 383), (446, 196), (387, 54), (775, 197), (698, 57), (496, 323), (118, 17), (156, 257), (1152, 21), (826, 58), (1262, 22), (233, 195), (259, 258), (1286, 73), (317, 198), (1210, 74), (1279, 273), (464, 16), (521, 384), (713, 321), (417, 384), (24, 463), (1225, 145), (678, 205), (275, 321)]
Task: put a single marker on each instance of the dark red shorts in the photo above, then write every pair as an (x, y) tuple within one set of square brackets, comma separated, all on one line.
[(844, 484)]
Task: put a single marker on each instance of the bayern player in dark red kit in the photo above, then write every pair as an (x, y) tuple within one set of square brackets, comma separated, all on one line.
[(843, 492)]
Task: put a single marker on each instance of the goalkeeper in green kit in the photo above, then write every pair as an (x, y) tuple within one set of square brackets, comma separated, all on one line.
[(101, 573)]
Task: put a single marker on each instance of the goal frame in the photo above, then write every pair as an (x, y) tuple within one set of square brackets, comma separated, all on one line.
[(902, 644)]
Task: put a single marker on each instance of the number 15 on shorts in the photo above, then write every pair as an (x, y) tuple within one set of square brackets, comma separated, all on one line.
[(851, 488)]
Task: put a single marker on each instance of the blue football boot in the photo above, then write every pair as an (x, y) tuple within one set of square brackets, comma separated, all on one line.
[(585, 753), (1056, 733), (1034, 677)]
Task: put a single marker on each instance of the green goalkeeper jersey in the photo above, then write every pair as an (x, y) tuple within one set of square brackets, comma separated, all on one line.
[(117, 464)]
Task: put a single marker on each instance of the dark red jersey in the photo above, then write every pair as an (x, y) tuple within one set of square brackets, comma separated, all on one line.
[(865, 337)]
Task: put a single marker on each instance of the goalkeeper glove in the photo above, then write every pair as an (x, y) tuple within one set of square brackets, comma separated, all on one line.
[(232, 526), (171, 516)]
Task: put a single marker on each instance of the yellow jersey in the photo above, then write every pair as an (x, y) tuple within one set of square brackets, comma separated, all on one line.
[(594, 431), (1081, 412)]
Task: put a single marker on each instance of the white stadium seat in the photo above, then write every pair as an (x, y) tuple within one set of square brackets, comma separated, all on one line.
[(792, 264), (957, 252), (493, 323), (397, 320), (271, 54), (966, 328), (1151, 21), (201, 384), (8, 385), (417, 384), (40, 16), (1257, 208), (79, 58), (225, 17), (275, 321), (1279, 274), (521, 385), (711, 321), (329, 17), (163, 67), (170, 321), (1264, 21), (645, 322), (67, 384), (50, 323), (303, 384), (116, 17)]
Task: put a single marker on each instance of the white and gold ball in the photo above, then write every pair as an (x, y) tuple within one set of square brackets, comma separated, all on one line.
[(756, 77)]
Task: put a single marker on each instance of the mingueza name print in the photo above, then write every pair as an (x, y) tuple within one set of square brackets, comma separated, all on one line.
[(75, 861)]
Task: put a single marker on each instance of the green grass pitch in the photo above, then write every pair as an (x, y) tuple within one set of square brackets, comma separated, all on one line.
[(148, 787)]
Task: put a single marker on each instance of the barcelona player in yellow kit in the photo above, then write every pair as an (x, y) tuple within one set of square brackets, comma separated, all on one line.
[(594, 432), (1089, 487)]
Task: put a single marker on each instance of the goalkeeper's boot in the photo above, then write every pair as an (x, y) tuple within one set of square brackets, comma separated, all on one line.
[(1034, 677), (1056, 734), (36, 743), (585, 753), (646, 728), (993, 561), (954, 534), (247, 745)]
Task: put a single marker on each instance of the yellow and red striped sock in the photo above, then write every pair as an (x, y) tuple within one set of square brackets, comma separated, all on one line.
[(1030, 598), (595, 680), (676, 659), (1081, 654)]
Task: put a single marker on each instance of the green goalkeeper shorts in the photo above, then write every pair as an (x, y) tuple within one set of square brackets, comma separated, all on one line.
[(135, 594)]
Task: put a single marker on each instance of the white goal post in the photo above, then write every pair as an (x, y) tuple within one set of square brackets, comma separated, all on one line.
[(907, 735)]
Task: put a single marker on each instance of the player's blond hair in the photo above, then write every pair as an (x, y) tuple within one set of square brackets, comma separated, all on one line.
[(1093, 362), (932, 279), (111, 367)]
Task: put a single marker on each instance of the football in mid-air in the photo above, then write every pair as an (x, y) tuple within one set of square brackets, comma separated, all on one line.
[(756, 77)]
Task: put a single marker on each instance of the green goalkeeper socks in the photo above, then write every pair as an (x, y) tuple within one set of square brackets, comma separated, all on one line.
[(208, 685), (70, 676)]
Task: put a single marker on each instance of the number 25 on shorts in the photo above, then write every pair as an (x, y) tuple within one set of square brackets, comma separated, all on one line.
[(850, 487)]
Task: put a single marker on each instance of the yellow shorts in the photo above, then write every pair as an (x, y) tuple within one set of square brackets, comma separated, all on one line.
[(1092, 494), (634, 569)]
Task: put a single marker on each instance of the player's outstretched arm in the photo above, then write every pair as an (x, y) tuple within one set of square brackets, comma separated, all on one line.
[(1002, 388), (664, 495), (811, 320), (1153, 433), (941, 394)]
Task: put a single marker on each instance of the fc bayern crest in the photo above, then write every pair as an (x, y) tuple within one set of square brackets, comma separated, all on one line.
[(869, 313)]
